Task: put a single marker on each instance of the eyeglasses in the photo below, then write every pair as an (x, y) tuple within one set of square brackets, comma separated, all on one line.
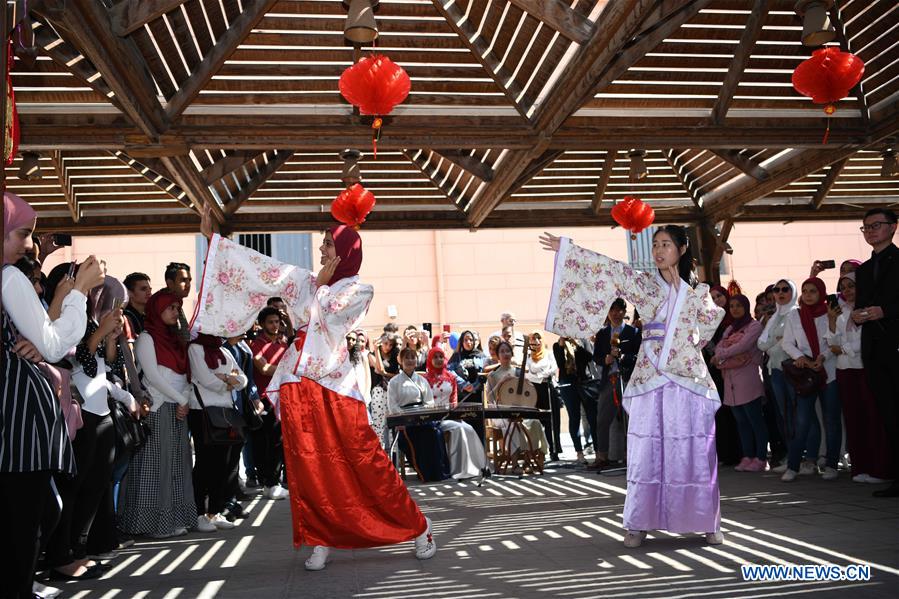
[(781, 289), (874, 226)]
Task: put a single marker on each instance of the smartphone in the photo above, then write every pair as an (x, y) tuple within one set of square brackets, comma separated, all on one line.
[(116, 304), (826, 264), (62, 239), (71, 269), (833, 301), (446, 328), (427, 326)]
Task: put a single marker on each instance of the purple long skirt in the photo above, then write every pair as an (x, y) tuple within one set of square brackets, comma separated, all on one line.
[(672, 466)]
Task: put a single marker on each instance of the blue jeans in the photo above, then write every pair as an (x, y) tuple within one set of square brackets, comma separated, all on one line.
[(806, 417), (785, 399), (752, 429)]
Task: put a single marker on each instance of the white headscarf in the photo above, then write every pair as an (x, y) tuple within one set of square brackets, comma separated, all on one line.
[(782, 310)]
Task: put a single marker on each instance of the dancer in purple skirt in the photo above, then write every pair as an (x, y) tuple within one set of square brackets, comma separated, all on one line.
[(672, 474)]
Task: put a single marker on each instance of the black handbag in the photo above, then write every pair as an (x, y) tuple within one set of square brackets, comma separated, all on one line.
[(251, 419), (131, 434), (805, 381), (221, 426)]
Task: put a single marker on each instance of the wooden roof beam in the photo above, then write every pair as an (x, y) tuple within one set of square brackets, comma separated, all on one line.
[(419, 159), (560, 17), (604, 176), (188, 178), (684, 176), (253, 11), (750, 35), (836, 17), (464, 160), (226, 165), (264, 174), (480, 51), (743, 163), (87, 27), (721, 242), (64, 56), (150, 170), (534, 168), (827, 184), (130, 15), (59, 165)]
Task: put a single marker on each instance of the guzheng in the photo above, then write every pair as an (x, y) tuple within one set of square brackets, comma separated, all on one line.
[(463, 412)]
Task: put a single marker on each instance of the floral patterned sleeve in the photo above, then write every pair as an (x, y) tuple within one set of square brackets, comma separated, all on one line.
[(708, 317), (586, 283), (237, 283)]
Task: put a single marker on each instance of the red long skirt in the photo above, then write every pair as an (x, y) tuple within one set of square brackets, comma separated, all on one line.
[(344, 491), (866, 437)]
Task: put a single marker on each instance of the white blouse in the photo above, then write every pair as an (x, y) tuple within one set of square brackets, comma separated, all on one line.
[(538, 372), (52, 338), (405, 392), (96, 391), (796, 344), (442, 392), (213, 390), (163, 384), (849, 338)]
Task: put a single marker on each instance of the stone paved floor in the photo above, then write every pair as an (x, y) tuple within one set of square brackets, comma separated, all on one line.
[(556, 535)]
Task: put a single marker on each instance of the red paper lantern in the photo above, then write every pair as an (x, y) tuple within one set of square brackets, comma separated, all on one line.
[(11, 134), (633, 214), (828, 76), (375, 85), (352, 205)]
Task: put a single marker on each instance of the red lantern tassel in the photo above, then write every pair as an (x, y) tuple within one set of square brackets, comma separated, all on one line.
[(376, 135), (828, 110)]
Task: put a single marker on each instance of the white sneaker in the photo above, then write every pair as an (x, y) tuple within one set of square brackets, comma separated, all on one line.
[(276, 492), (714, 538), (829, 473), (807, 467), (44, 591), (204, 524), (179, 532), (860, 478), (221, 522), (634, 538), (780, 469), (318, 559), (425, 547), (789, 476)]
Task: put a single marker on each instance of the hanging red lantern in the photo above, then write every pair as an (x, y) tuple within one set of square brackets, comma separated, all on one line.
[(375, 85), (352, 205), (827, 77), (11, 134), (633, 214)]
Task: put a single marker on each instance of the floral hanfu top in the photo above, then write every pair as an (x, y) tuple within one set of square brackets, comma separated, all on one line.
[(237, 283), (586, 283)]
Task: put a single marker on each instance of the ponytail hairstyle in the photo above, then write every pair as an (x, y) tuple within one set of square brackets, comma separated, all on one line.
[(678, 235)]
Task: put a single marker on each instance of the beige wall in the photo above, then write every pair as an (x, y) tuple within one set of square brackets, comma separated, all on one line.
[(489, 272)]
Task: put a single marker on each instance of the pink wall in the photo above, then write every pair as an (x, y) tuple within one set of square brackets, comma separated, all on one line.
[(493, 271)]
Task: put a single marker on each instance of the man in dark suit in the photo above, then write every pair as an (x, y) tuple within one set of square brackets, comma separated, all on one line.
[(877, 311), (615, 351)]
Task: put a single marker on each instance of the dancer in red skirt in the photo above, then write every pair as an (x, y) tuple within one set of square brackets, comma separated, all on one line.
[(344, 491)]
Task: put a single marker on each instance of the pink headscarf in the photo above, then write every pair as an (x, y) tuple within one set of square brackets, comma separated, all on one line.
[(16, 214)]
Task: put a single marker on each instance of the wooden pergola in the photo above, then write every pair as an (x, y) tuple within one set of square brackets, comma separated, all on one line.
[(522, 113)]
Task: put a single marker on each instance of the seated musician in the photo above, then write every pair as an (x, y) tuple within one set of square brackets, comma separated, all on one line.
[(423, 443), (506, 373), (465, 451)]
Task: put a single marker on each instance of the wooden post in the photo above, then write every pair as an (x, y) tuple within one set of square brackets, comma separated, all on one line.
[(709, 270)]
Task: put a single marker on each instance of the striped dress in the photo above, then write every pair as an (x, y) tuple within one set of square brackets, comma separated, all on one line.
[(33, 434)]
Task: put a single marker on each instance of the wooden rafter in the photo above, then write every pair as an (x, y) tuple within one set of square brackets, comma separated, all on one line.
[(213, 61), (559, 16), (154, 175), (59, 165), (683, 175), (836, 16), (740, 60), (68, 58), (188, 178), (481, 52), (535, 168), (827, 184), (420, 159), (86, 24), (604, 176), (130, 15), (743, 163), (262, 175), (464, 160), (226, 165)]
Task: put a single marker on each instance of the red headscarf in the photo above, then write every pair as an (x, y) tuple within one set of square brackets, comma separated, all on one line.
[(434, 376), (808, 314), (212, 350), (169, 351), (348, 246)]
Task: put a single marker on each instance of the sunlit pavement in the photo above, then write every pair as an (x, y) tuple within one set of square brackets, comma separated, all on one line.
[(556, 535)]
